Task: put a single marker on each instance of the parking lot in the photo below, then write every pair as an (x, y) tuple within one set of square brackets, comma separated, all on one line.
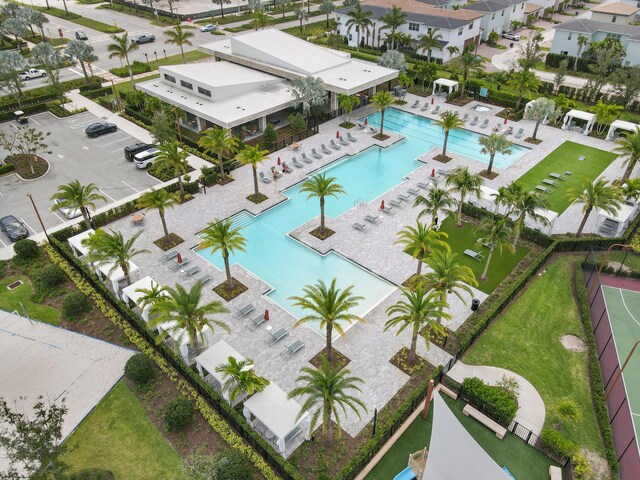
[(73, 156)]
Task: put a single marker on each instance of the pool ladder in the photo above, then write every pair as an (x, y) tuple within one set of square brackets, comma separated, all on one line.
[(359, 202)]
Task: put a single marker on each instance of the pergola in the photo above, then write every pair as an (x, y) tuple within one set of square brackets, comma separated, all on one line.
[(115, 276), (279, 414), (76, 243), (623, 217), (487, 198), (180, 339), (572, 115), (131, 295), (439, 84), (621, 125), (550, 215), (212, 358)]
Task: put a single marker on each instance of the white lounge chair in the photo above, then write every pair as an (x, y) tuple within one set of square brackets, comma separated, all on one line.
[(425, 107), (475, 255), (292, 348), (246, 310), (359, 226), (343, 141), (465, 118), (305, 159), (264, 178), (315, 154), (334, 145), (296, 163), (475, 120), (394, 203), (257, 321), (351, 138), (202, 279), (436, 110), (325, 150), (371, 219), (361, 126), (165, 257), (276, 336), (485, 124), (520, 133)]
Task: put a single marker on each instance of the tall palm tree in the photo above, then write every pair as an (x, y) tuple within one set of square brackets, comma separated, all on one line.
[(309, 92), (418, 309), (347, 103), (493, 144), (392, 21), (220, 142), (437, 200), (359, 19), (469, 63), (253, 155), (160, 200), (598, 194), (80, 197), (325, 392), (629, 147), (430, 42), (462, 181), (241, 378), (150, 296), (525, 82), (330, 307), (528, 204), (320, 186), (111, 248), (82, 52), (179, 36), (583, 41), (507, 197), (121, 48), (171, 158), (448, 276), (260, 19), (420, 241), (327, 7), (448, 121), (496, 232), (180, 313), (222, 236), (381, 101)]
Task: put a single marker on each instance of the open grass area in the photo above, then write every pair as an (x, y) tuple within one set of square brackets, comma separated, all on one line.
[(312, 29), (565, 158), (118, 436), (526, 340), (463, 238), (80, 20), (191, 56), (523, 461), (10, 300)]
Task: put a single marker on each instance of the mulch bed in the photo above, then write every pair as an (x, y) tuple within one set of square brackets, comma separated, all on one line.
[(401, 361), (400, 102), (460, 101), (442, 158), (322, 233), (439, 340), (257, 199), (23, 167), (347, 125), (230, 294), (225, 180), (338, 359), (489, 176), (167, 244), (382, 137), (534, 141)]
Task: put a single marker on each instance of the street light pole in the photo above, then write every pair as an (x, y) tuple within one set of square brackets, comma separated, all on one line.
[(604, 260), (619, 374), (38, 215), (375, 420)]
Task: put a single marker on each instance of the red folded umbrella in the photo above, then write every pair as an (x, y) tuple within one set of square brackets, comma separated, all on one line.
[(433, 172), (505, 120), (266, 314), (432, 101), (179, 258), (338, 134), (366, 121), (382, 205), (279, 161)]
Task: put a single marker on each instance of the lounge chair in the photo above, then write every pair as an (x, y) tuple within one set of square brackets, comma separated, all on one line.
[(465, 118), (557, 176), (315, 154), (394, 203), (305, 159), (485, 124), (416, 105), (292, 348), (475, 255), (264, 178), (189, 272), (582, 158), (247, 309), (568, 172), (412, 191), (325, 150), (361, 126), (275, 337), (424, 186), (425, 107), (178, 266), (436, 110), (257, 321), (444, 173), (475, 120), (402, 197), (296, 163), (334, 145), (351, 138), (387, 210), (343, 141), (520, 133), (359, 226), (542, 189), (165, 257), (204, 278), (547, 181), (370, 218), (275, 172), (373, 130)]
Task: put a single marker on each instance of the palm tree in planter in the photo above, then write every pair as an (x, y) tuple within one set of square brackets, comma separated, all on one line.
[(493, 144), (598, 194), (222, 236), (437, 200), (448, 276), (171, 158), (159, 200), (430, 42), (507, 197), (253, 155), (330, 307), (178, 36), (77, 196), (381, 101), (179, 312), (448, 121), (111, 248), (418, 309), (629, 147), (420, 240), (326, 393), (498, 235), (220, 142), (321, 186), (347, 103), (465, 183), (527, 205), (121, 48), (241, 379)]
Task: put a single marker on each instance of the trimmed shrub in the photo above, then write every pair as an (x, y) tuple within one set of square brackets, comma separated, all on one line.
[(269, 137), (139, 369), (136, 68), (52, 275), (75, 305), (92, 474), (177, 414), (26, 250), (562, 446), (6, 169), (495, 402), (232, 465)]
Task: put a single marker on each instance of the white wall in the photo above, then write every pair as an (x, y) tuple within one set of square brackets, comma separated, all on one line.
[(564, 41), (608, 18), (500, 21)]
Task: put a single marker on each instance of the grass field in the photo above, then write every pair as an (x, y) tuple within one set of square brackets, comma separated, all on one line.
[(191, 56), (564, 158), (464, 238), (10, 301), (526, 340), (523, 461), (118, 436)]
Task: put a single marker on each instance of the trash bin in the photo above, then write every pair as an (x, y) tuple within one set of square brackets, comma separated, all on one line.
[(511, 45), (475, 303)]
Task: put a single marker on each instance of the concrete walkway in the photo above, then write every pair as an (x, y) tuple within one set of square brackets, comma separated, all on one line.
[(531, 409)]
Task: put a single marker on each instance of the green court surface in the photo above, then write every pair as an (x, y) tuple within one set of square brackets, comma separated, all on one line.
[(563, 159)]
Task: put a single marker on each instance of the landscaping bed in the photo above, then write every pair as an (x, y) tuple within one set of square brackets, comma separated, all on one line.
[(322, 233), (229, 294), (167, 244), (22, 166)]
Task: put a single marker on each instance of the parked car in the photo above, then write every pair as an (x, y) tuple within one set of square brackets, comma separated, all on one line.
[(511, 36), (68, 212), (100, 128), (80, 35), (14, 228), (32, 73), (145, 159), (131, 151), (209, 27), (144, 38)]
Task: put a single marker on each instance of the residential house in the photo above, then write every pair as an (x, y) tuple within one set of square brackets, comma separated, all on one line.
[(620, 13), (532, 12), (498, 15)]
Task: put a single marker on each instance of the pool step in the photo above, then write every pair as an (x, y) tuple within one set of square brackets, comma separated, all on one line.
[(242, 219)]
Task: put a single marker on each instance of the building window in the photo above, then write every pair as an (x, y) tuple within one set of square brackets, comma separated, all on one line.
[(570, 34), (502, 13), (350, 37), (186, 84), (493, 17), (170, 78), (460, 31), (471, 26), (616, 36), (514, 8), (627, 63), (414, 27), (564, 52), (614, 18), (204, 91)]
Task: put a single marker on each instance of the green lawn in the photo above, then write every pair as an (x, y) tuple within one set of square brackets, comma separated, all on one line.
[(463, 238), (80, 20), (10, 301), (526, 340), (118, 436), (191, 56), (523, 461), (564, 158)]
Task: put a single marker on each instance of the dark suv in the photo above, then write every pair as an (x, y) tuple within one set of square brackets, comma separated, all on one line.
[(130, 151), (14, 228)]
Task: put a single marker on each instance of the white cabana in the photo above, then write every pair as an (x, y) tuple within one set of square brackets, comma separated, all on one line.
[(212, 358), (76, 242), (130, 295), (279, 414), (551, 217), (621, 125), (570, 121), (615, 225), (180, 338), (487, 199), (441, 83), (114, 276)]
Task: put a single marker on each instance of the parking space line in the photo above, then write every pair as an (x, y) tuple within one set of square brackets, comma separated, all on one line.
[(61, 219), (107, 195), (119, 149), (3, 242), (134, 189), (35, 121), (34, 232), (116, 141), (156, 179)]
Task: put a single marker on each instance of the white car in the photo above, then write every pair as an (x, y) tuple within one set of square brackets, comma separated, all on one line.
[(511, 36), (210, 27), (68, 212), (32, 73)]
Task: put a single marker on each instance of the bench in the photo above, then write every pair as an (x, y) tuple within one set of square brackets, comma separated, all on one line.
[(555, 473), (499, 430), (475, 255), (446, 391)]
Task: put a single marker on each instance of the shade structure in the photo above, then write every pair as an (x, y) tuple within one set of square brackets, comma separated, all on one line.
[(617, 125), (215, 356), (180, 339), (444, 83), (131, 294), (572, 115), (453, 453), (104, 270), (619, 221), (76, 243)]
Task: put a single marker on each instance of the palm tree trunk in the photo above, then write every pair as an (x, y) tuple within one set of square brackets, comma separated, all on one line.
[(125, 269), (227, 268), (322, 213), (629, 170), (221, 165), (133, 83), (490, 163), (486, 267), (518, 102), (535, 130), (164, 225), (84, 70), (85, 215), (193, 336), (446, 139), (419, 271), (255, 182), (382, 123), (184, 60), (414, 342), (460, 210), (221, 9), (329, 347), (584, 221), (327, 419), (181, 185), (443, 298)]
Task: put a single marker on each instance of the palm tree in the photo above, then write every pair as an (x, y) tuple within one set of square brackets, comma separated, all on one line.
[(437, 200), (309, 92), (525, 82), (253, 155), (359, 19), (420, 241), (382, 100), (172, 158), (241, 378), (425, 73), (79, 197), (392, 21), (179, 36), (583, 41), (121, 48), (528, 204), (223, 236), (321, 186), (260, 19), (492, 144), (113, 249), (430, 42), (469, 63), (448, 121), (82, 52), (498, 234), (629, 147), (221, 142), (330, 307), (347, 103), (453, 50), (507, 197), (448, 276), (324, 390), (598, 194), (159, 200), (418, 310), (180, 313), (326, 7), (465, 183)]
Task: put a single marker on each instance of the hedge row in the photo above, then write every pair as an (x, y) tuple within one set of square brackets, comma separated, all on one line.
[(494, 402), (98, 92), (136, 68), (40, 107), (6, 169)]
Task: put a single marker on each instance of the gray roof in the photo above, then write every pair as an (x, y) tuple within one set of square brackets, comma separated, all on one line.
[(591, 26), (493, 5), (433, 21), (437, 3)]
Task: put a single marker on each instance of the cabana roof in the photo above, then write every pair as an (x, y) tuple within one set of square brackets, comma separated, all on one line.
[(275, 410), (76, 241), (624, 125), (117, 274), (131, 292), (581, 115), (623, 214), (215, 356), (445, 82)]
